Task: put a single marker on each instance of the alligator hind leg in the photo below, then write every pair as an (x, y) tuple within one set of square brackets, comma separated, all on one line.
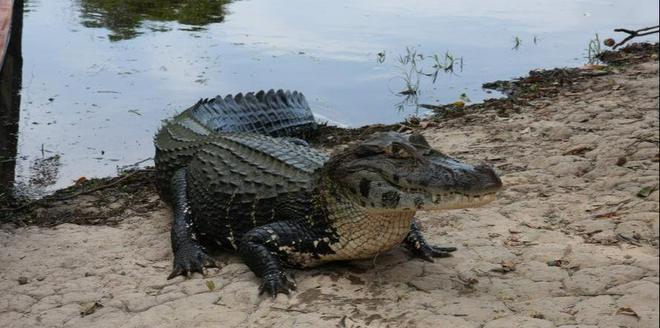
[(416, 243), (189, 255)]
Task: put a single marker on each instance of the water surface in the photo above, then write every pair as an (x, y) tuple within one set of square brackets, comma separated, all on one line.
[(100, 75)]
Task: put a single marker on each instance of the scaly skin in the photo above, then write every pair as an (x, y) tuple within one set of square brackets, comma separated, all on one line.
[(272, 113), (280, 203)]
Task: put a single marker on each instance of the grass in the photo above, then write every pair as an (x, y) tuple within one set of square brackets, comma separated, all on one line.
[(416, 66), (517, 42), (446, 63), (380, 57), (594, 50), (411, 81), (410, 71), (464, 97)]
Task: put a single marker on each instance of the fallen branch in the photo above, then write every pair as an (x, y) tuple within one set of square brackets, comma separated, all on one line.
[(633, 34), (133, 166)]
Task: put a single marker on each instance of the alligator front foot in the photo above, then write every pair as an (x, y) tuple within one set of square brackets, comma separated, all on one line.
[(276, 283), (428, 252), (417, 244), (189, 259), (263, 249)]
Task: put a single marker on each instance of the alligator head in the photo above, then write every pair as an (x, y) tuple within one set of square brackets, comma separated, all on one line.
[(394, 171)]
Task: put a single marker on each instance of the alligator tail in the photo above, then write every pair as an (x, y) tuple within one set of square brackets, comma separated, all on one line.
[(274, 113)]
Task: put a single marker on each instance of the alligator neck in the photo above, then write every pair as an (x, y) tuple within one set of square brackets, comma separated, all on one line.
[(363, 232)]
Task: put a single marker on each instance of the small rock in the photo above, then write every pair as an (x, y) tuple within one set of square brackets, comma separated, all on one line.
[(22, 280), (626, 310), (646, 191), (578, 150), (90, 308), (621, 161), (538, 316), (505, 266), (556, 263)]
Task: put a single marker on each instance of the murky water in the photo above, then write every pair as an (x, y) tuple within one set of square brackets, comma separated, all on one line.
[(100, 75)]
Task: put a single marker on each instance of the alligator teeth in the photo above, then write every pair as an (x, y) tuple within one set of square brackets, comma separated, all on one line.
[(458, 200)]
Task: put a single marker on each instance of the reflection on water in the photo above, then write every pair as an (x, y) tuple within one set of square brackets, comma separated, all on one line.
[(94, 97), (125, 18), (10, 99)]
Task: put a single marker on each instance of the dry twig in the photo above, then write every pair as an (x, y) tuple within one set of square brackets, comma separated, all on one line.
[(632, 34)]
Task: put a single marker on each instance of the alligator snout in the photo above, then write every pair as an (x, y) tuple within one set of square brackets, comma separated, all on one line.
[(489, 179), (447, 174)]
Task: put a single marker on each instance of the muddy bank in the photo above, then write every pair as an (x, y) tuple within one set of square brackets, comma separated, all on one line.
[(572, 241)]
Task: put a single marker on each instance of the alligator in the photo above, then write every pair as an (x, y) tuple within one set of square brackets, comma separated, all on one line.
[(238, 176)]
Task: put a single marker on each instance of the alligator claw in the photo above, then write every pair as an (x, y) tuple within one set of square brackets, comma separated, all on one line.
[(276, 283), (190, 259), (428, 252)]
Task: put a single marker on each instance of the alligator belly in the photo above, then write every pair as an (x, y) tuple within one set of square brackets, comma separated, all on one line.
[(362, 237)]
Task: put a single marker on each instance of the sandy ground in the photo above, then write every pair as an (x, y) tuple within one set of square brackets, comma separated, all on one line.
[(570, 243)]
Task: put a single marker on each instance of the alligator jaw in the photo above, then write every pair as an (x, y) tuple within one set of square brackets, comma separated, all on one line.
[(448, 201), (455, 200)]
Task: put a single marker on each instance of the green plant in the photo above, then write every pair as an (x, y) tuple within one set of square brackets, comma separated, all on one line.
[(594, 50), (210, 284), (517, 42), (464, 97), (380, 57), (414, 69), (446, 63), (411, 80)]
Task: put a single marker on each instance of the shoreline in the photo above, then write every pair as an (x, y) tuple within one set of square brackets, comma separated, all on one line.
[(535, 86)]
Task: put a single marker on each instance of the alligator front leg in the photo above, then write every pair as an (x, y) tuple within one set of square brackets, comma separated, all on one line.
[(262, 249), (189, 255), (416, 243)]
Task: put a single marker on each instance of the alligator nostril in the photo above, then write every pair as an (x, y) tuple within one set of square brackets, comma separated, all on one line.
[(497, 182), (483, 167), (494, 181)]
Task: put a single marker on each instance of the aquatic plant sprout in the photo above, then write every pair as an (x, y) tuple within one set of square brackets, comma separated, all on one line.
[(517, 42), (413, 69), (594, 50)]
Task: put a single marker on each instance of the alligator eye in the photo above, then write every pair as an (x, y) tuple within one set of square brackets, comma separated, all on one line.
[(365, 150), (398, 151), (418, 141)]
